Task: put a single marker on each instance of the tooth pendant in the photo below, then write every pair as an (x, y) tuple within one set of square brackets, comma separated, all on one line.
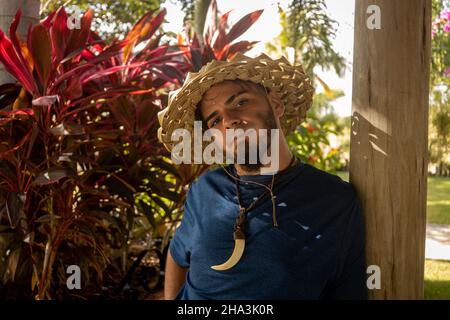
[(239, 244)]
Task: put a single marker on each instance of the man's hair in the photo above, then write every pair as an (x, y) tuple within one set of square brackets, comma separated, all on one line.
[(244, 84)]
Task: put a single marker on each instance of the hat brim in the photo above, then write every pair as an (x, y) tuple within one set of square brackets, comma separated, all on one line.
[(290, 82)]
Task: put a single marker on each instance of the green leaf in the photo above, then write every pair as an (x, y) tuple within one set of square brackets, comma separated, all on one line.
[(161, 204), (147, 211)]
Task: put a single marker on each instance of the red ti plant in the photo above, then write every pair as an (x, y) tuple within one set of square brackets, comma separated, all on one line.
[(218, 44), (62, 199), (80, 164), (218, 38), (159, 187)]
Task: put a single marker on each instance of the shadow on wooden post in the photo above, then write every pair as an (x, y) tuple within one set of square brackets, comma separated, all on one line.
[(388, 149)]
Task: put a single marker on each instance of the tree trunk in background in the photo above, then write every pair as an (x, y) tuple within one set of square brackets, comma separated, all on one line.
[(200, 11), (388, 149), (30, 14)]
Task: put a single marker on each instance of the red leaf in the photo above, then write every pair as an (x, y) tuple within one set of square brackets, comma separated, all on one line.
[(40, 51), (105, 54), (196, 59), (75, 72), (86, 54), (243, 24), (16, 41), (74, 88), (25, 138), (145, 115), (220, 35), (59, 35), (27, 112), (9, 58), (108, 94), (171, 71), (210, 26), (207, 55), (230, 50), (142, 30), (123, 116), (160, 51), (78, 37), (106, 72), (47, 22)]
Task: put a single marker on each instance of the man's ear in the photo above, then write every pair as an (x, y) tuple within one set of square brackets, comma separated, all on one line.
[(277, 104)]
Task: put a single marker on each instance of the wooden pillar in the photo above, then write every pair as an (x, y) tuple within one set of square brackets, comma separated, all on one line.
[(388, 149)]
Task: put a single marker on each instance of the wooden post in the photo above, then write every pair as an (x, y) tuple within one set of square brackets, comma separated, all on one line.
[(388, 149)]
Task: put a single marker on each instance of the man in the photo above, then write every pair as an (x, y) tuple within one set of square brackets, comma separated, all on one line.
[(296, 233)]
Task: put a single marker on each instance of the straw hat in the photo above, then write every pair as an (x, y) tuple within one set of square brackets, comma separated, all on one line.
[(289, 82)]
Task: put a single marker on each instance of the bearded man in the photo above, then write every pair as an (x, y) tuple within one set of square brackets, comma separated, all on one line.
[(296, 232)]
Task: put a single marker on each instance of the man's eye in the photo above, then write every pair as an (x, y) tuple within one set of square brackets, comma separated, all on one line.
[(241, 103), (215, 122)]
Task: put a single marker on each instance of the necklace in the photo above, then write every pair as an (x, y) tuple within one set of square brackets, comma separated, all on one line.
[(239, 227)]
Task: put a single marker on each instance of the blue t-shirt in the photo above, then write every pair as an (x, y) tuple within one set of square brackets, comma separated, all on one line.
[(316, 252)]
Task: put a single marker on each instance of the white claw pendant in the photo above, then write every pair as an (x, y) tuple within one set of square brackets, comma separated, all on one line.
[(239, 246)]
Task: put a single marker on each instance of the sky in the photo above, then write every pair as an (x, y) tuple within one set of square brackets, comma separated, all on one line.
[(267, 27)]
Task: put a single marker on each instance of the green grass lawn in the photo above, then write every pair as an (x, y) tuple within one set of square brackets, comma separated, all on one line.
[(437, 280), (437, 273), (438, 200)]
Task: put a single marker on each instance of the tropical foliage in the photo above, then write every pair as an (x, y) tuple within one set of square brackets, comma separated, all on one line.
[(82, 175), (111, 19), (439, 124), (306, 37)]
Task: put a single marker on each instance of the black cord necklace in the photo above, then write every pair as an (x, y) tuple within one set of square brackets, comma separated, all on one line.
[(239, 229)]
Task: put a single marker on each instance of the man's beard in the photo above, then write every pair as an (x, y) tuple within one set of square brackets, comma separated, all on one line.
[(269, 124)]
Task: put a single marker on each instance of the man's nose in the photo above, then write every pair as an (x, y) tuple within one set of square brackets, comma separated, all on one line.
[(230, 121)]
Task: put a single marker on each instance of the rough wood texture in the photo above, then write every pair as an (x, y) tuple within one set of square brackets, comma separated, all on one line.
[(388, 155)]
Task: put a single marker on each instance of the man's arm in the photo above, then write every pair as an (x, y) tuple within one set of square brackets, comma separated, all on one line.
[(175, 276)]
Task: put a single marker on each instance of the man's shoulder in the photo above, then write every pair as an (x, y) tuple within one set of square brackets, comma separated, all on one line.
[(335, 199), (314, 181), (322, 182), (208, 180), (209, 175)]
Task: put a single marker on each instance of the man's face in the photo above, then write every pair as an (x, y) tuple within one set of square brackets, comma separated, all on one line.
[(232, 105)]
